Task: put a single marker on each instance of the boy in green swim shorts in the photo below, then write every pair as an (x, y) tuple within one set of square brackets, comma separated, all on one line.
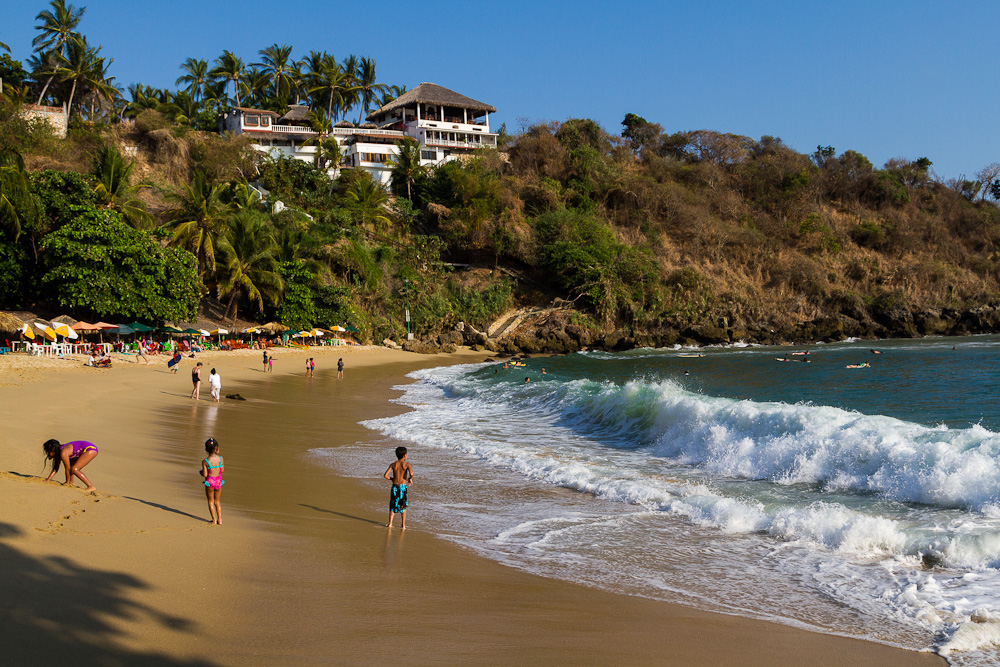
[(400, 474)]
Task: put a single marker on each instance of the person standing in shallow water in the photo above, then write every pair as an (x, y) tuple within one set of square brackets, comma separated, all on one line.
[(340, 368), (212, 468), (400, 474), (215, 382), (196, 380)]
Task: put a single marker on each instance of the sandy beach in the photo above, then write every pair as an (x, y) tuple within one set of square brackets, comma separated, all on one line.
[(301, 571)]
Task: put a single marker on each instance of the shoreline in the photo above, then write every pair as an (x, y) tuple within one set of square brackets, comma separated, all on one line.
[(301, 545)]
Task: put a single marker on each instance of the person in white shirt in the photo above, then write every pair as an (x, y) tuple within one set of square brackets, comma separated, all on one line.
[(215, 382)]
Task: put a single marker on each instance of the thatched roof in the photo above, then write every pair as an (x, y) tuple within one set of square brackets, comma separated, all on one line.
[(344, 123), (9, 322), (431, 93), (65, 319), (297, 113), (368, 126), (273, 327)]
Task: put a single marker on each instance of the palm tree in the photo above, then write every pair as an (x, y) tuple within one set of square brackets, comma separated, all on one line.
[(103, 92), (327, 147), (195, 76), (200, 220), (182, 109), (350, 96), (58, 28), (309, 69), (81, 65), (406, 167), (331, 79), (389, 94), (240, 196), (229, 68), (250, 267), (368, 198), (16, 201), (277, 64), (255, 83), (4, 47), (367, 87), (114, 191)]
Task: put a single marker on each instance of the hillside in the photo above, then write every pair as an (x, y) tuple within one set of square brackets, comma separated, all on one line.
[(648, 238)]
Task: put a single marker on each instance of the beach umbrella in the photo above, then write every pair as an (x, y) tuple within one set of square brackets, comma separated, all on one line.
[(338, 328), (82, 326), (27, 331), (352, 330), (122, 329), (204, 333), (139, 327), (192, 331), (169, 330), (65, 331), (45, 329)]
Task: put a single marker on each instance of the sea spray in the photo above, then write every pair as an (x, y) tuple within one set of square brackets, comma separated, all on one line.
[(855, 504)]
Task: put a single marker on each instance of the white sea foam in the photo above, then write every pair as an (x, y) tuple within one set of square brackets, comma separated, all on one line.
[(867, 489)]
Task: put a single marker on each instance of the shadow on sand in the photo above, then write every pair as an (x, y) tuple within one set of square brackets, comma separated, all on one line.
[(346, 516), (167, 508), (56, 611)]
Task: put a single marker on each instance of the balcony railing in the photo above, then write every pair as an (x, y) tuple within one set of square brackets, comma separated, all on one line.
[(462, 144), (292, 129), (348, 131)]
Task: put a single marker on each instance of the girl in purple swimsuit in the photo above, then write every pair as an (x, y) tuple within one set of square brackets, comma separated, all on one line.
[(73, 456), (211, 469)]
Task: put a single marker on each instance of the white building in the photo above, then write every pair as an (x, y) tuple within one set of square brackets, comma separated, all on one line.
[(446, 124)]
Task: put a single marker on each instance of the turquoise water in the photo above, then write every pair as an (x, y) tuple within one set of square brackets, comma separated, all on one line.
[(856, 501)]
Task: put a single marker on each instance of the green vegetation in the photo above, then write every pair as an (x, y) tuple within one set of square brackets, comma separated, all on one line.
[(143, 208)]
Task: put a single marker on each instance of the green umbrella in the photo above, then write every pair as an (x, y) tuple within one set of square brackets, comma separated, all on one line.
[(192, 331), (139, 327), (169, 330), (352, 329)]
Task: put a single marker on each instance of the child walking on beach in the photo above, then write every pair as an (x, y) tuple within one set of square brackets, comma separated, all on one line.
[(400, 474), (212, 468)]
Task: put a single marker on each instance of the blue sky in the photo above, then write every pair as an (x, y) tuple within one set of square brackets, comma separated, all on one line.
[(888, 79)]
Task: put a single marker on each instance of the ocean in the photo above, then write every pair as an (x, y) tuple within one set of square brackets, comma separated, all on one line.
[(856, 501)]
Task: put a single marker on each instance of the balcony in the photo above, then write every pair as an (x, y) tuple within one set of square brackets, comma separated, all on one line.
[(489, 141), (350, 131), (452, 125), (292, 129)]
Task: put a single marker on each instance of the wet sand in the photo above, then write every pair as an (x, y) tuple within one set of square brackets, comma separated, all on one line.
[(302, 571)]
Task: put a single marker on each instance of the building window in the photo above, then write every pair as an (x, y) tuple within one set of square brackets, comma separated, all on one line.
[(251, 120), (428, 155), (265, 121), (378, 158)]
